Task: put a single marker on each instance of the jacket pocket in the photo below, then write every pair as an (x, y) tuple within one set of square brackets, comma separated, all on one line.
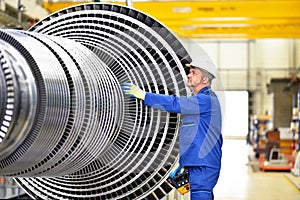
[(188, 132)]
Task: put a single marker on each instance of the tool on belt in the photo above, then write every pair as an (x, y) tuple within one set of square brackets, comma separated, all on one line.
[(179, 179)]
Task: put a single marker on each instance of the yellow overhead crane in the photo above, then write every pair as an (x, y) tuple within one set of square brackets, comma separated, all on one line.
[(220, 19)]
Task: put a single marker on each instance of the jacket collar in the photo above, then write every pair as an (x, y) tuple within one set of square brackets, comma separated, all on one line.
[(204, 90)]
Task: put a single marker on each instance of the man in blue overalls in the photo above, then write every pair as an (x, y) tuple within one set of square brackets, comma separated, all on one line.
[(200, 138)]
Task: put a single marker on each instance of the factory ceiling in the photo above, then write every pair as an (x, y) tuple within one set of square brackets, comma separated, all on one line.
[(248, 19)]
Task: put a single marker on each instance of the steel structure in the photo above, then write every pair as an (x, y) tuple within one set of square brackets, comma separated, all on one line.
[(66, 129)]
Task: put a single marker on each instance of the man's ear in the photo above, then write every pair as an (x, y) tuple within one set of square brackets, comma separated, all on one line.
[(205, 79)]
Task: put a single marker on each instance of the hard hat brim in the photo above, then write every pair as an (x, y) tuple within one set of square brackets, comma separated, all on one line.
[(189, 65)]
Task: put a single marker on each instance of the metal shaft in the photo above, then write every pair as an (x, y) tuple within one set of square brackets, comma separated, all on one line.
[(67, 131)]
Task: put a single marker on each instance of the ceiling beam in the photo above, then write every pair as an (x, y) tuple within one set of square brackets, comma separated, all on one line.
[(224, 19)]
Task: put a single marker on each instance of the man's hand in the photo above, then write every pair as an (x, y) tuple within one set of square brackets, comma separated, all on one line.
[(133, 91)]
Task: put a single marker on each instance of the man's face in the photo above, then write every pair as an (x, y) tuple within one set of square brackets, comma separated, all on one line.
[(194, 77)]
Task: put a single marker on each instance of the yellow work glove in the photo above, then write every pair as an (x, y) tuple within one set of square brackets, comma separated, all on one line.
[(132, 90)]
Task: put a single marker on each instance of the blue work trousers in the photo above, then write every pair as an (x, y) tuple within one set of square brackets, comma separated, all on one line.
[(202, 181)]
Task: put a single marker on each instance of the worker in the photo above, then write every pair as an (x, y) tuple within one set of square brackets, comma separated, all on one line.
[(200, 138), (31, 22)]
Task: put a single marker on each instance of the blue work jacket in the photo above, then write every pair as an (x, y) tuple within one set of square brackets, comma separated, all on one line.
[(200, 138)]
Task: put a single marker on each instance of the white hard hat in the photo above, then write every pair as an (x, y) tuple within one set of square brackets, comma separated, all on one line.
[(203, 61)]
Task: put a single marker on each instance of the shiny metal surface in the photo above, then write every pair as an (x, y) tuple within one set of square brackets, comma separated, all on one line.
[(82, 137), (18, 97)]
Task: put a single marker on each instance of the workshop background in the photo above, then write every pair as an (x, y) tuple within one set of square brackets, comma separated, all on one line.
[(256, 47)]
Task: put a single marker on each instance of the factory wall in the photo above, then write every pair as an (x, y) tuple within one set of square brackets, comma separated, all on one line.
[(251, 64), (32, 9)]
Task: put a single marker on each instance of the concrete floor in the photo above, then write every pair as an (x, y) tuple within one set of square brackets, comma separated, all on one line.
[(239, 182)]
